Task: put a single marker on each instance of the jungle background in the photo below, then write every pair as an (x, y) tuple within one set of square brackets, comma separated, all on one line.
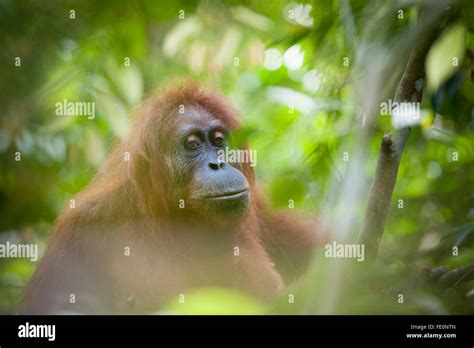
[(302, 75)]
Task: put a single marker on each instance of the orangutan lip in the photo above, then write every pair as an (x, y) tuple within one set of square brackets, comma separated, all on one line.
[(230, 195)]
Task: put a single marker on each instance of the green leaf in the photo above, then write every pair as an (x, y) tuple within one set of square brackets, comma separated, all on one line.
[(218, 301), (445, 56)]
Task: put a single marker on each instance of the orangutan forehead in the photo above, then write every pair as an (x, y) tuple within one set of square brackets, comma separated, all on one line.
[(198, 116)]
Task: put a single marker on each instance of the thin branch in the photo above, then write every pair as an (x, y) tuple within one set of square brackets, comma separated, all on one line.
[(457, 276), (443, 278)]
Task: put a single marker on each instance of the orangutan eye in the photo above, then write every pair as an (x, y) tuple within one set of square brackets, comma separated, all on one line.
[(218, 139), (193, 142)]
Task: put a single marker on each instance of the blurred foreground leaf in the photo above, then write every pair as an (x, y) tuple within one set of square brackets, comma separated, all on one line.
[(214, 301), (445, 56)]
